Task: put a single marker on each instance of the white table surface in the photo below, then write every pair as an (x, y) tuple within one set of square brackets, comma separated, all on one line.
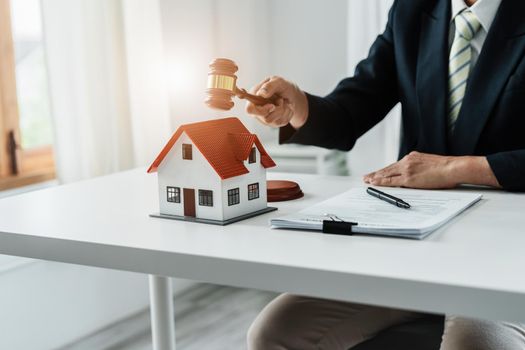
[(473, 266)]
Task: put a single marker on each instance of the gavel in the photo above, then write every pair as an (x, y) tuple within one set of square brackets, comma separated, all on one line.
[(222, 86)]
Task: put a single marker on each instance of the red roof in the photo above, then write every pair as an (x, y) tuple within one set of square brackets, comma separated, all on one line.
[(225, 143)]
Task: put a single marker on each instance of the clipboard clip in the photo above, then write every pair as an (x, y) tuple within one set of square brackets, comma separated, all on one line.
[(336, 226)]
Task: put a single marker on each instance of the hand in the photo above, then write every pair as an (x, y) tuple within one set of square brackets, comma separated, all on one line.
[(291, 106), (421, 170)]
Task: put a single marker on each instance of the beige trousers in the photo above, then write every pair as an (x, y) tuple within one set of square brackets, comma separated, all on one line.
[(293, 322)]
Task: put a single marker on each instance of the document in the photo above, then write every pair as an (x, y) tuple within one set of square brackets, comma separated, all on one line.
[(429, 210)]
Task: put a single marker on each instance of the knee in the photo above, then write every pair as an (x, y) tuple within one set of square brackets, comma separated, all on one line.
[(472, 334), (259, 335), (272, 329), (459, 333)]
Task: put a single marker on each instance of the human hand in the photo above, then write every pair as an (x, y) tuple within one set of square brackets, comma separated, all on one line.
[(291, 106), (430, 171)]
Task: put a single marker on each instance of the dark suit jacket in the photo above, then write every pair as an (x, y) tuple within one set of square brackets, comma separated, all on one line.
[(408, 63)]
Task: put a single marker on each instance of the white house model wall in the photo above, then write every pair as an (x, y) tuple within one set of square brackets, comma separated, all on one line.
[(196, 174), (257, 175), (231, 197)]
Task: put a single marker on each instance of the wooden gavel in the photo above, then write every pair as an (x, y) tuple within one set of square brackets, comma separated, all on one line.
[(222, 87)]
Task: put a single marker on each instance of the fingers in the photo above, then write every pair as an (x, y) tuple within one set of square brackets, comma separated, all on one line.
[(273, 122), (256, 88), (260, 110), (280, 112), (392, 181), (279, 117), (269, 114), (275, 85), (391, 170)]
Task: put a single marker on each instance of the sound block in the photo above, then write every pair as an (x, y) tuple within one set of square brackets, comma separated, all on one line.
[(283, 190)]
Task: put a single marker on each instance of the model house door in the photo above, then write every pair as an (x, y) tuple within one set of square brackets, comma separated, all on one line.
[(189, 202)]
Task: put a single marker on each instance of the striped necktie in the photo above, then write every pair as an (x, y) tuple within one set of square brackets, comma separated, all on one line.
[(467, 25)]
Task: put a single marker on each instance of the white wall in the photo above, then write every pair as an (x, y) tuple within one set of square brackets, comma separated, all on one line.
[(187, 28), (308, 42), (302, 40), (196, 173), (380, 146), (45, 305), (257, 174)]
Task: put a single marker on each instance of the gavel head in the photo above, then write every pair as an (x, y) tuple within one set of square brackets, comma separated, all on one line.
[(221, 84)]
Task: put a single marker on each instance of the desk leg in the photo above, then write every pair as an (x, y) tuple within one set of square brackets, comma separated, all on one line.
[(162, 315)]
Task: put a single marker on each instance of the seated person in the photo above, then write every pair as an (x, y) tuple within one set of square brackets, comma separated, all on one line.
[(458, 69)]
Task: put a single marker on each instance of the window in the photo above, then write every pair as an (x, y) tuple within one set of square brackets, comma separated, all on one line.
[(187, 151), (253, 191), (26, 137), (252, 158), (206, 198), (173, 194), (233, 196)]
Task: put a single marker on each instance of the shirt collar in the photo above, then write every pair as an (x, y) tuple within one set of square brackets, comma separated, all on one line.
[(485, 11)]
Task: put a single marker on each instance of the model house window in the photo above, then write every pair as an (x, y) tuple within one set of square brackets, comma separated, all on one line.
[(187, 151), (173, 194), (252, 158), (233, 196), (253, 191), (206, 198)]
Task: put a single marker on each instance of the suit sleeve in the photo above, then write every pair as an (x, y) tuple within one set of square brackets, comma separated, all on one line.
[(509, 168), (357, 103)]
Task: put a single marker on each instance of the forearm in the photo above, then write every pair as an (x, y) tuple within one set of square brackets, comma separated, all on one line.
[(473, 170), (323, 124)]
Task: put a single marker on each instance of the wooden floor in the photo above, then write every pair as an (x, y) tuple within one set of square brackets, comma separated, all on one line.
[(206, 317)]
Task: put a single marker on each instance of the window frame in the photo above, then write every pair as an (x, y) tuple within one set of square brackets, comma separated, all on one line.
[(253, 191), (206, 198), (187, 151), (33, 165), (175, 192), (252, 158), (234, 196)]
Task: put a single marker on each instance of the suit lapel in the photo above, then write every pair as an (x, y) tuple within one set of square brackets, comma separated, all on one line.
[(499, 56), (431, 82)]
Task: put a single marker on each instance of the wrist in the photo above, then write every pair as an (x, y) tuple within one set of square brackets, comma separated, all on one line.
[(473, 170), (300, 110), (459, 170)]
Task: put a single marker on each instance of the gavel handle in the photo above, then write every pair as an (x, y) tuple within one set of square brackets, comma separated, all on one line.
[(256, 100)]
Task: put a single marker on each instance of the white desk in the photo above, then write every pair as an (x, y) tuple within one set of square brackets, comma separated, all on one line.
[(473, 266)]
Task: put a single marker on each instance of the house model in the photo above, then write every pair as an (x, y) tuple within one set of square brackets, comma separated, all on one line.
[(212, 171)]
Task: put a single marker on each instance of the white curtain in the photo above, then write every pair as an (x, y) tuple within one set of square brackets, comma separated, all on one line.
[(110, 112), (109, 103), (379, 147)]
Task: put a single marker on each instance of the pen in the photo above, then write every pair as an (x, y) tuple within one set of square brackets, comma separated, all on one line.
[(388, 198)]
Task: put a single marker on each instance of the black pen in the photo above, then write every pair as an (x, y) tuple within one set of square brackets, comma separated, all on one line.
[(388, 198)]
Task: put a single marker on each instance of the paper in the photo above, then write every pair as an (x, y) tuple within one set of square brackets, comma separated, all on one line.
[(429, 210)]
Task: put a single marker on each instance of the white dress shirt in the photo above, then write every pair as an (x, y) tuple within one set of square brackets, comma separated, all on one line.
[(485, 11)]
